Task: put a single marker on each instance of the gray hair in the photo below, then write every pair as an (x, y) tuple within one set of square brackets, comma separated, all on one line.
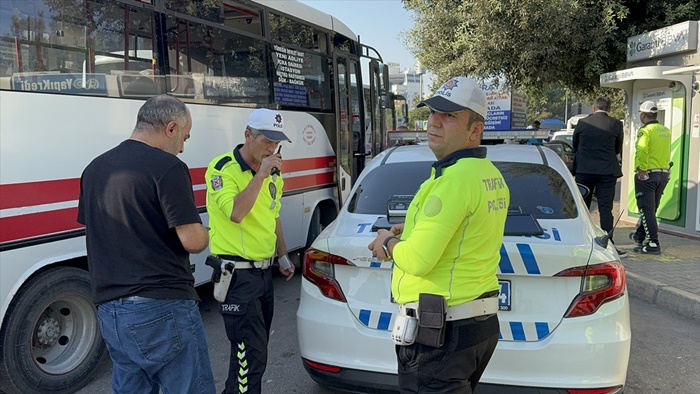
[(157, 111), (474, 117), (253, 132), (601, 104)]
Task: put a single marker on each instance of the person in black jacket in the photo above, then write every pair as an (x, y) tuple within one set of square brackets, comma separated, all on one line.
[(597, 144)]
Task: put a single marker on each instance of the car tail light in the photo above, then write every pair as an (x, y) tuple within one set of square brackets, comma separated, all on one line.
[(606, 390), (323, 367), (319, 269), (601, 283)]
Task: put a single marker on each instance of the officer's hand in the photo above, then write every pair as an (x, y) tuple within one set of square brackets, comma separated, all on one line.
[(270, 162), (397, 229), (376, 245), (642, 175), (288, 273)]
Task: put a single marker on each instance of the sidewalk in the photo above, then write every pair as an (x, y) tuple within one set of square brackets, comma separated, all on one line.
[(670, 280)]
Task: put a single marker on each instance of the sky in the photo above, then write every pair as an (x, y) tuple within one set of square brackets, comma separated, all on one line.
[(378, 23)]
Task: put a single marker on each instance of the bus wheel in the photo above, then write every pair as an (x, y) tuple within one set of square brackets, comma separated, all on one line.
[(315, 227), (50, 341)]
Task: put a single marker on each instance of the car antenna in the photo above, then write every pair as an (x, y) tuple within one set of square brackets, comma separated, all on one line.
[(602, 240)]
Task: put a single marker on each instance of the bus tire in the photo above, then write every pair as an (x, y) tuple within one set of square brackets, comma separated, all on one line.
[(50, 341), (315, 227)]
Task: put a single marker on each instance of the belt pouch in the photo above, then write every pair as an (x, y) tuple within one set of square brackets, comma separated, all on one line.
[(221, 276), (431, 320), (215, 263)]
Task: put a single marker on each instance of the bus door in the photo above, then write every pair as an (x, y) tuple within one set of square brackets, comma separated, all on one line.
[(349, 128), (373, 109)]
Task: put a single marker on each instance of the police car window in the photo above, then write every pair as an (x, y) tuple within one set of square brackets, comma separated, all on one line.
[(539, 190), (378, 186)]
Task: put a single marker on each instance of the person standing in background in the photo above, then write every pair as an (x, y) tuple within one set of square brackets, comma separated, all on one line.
[(652, 161), (597, 144), (141, 224)]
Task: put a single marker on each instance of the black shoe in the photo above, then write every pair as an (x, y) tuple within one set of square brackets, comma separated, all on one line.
[(637, 242), (649, 248), (621, 253)]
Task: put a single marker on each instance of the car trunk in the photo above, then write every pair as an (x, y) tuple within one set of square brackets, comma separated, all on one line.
[(533, 301)]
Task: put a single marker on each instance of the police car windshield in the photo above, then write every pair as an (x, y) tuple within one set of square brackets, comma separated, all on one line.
[(534, 188)]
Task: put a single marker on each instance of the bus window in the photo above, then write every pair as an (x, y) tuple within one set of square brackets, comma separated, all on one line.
[(231, 66), (73, 48), (301, 77), (244, 18), (198, 9)]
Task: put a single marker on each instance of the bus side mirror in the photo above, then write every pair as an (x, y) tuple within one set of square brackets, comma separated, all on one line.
[(384, 91), (388, 100), (404, 111)]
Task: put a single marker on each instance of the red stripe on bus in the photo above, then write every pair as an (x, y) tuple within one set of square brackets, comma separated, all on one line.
[(290, 165), (55, 221), (17, 195), (200, 197), (307, 181), (294, 165), (35, 224), (290, 184), (197, 175)]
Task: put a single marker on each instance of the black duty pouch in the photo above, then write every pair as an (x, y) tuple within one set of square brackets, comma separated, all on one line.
[(431, 320), (215, 263)]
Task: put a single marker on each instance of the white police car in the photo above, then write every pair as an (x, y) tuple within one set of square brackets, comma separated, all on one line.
[(564, 310)]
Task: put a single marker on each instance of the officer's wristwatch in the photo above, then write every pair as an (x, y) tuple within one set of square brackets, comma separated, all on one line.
[(385, 245)]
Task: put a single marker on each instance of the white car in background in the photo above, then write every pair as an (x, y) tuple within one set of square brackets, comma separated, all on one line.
[(564, 309), (566, 135)]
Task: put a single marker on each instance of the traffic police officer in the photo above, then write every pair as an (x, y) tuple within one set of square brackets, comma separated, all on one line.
[(652, 160), (447, 252), (243, 201)]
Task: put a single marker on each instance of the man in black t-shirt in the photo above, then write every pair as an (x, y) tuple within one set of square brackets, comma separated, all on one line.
[(141, 224)]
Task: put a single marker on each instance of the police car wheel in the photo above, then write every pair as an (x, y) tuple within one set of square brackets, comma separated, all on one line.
[(50, 340)]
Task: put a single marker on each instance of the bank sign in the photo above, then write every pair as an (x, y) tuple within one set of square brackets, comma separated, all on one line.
[(682, 37), (93, 84)]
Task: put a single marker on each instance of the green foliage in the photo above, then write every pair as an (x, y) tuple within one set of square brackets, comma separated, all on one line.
[(535, 44), (415, 114)]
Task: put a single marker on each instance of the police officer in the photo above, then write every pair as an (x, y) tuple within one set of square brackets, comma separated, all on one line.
[(446, 254), (243, 201), (652, 161)]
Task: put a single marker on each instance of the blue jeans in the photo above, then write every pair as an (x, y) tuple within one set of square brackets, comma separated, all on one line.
[(156, 345)]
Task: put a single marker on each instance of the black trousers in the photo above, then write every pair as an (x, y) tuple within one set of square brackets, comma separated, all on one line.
[(648, 194), (603, 186), (247, 316), (457, 366)]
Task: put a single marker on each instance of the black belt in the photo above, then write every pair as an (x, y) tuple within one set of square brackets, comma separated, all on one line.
[(234, 258)]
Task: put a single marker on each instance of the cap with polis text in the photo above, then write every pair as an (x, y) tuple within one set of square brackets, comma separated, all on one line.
[(458, 94), (269, 123), (649, 107)]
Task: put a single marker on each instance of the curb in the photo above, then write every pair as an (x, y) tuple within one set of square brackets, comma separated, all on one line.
[(664, 296)]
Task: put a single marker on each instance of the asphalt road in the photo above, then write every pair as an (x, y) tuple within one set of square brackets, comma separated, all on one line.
[(665, 352)]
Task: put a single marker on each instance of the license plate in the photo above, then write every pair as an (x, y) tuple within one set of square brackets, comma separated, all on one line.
[(504, 297)]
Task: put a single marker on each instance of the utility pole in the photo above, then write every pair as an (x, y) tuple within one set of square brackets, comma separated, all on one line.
[(420, 71)]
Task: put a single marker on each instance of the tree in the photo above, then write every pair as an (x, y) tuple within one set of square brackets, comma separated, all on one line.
[(535, 44)]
